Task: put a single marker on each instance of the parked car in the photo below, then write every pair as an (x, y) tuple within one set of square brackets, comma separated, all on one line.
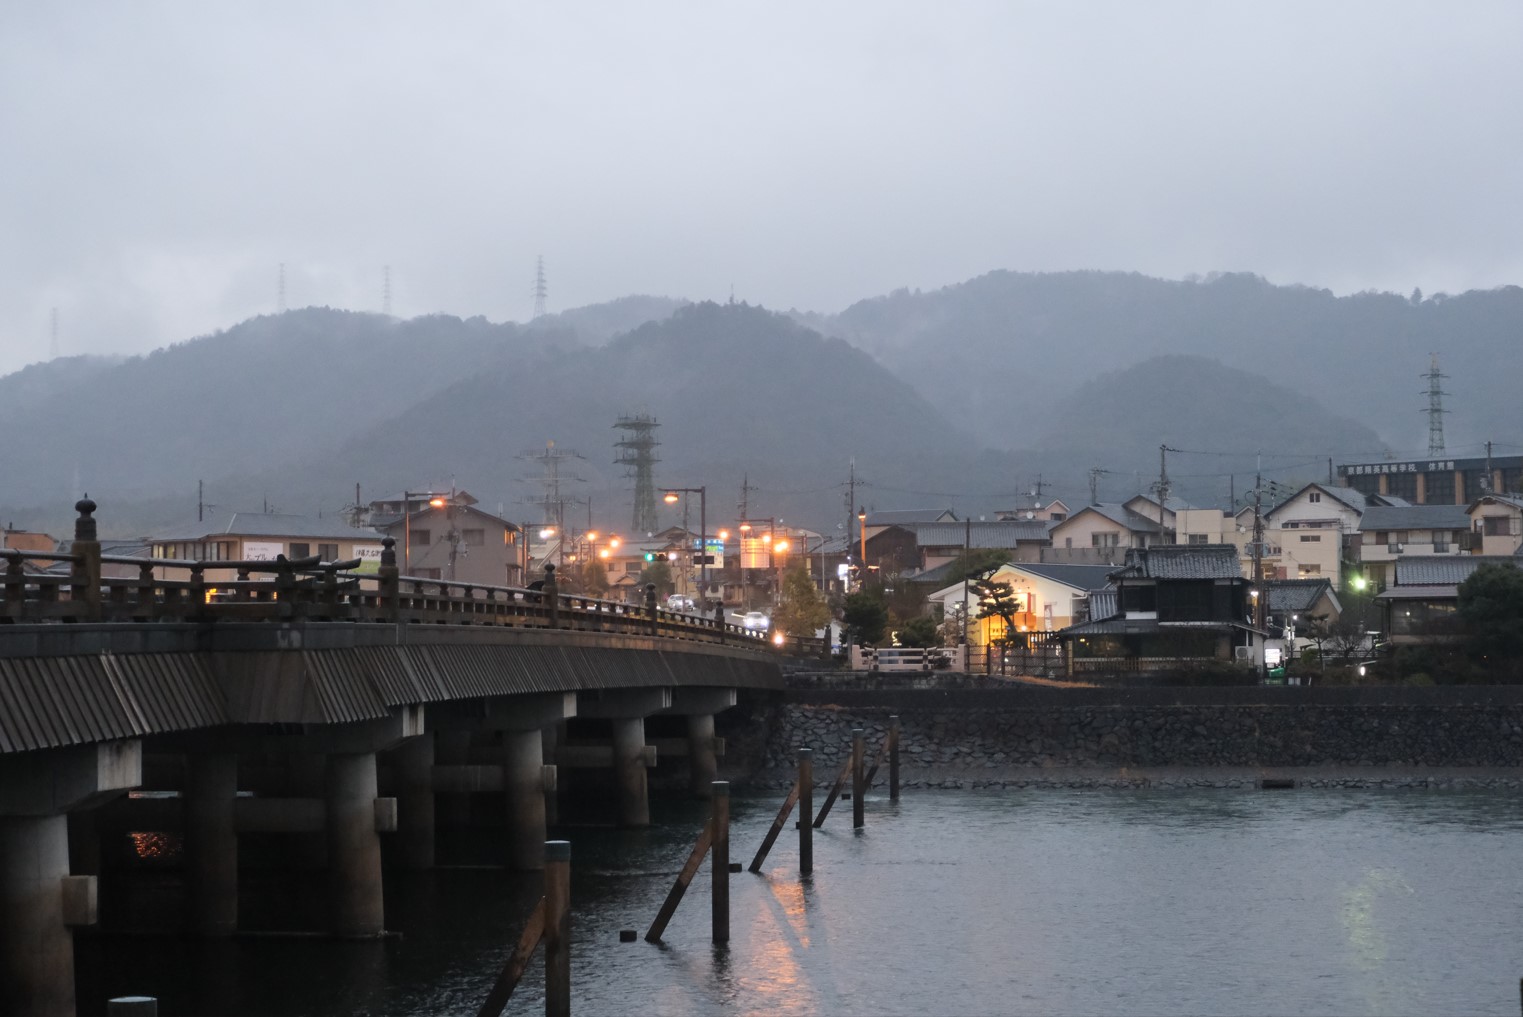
[(679, 602)]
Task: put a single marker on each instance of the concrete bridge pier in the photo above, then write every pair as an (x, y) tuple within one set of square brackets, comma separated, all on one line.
[(354, 846), (39, 899), (627, 710), (211, 842), (517, 768), (414, 761), (703, 748)]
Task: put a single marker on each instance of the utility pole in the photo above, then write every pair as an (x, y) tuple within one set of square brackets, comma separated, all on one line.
[(1486, 484), (1094, 481), (1163, 489), (1260, 602)]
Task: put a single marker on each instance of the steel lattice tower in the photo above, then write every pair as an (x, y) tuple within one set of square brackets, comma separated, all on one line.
[(1435, 409), (541, 288), (637, 454), (553, 501)]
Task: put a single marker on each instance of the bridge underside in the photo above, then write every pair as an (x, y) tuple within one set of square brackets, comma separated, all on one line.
[(333, 733)]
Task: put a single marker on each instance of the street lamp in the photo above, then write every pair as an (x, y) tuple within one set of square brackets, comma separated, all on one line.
[(862, 532), (435, 500), (672, 498)]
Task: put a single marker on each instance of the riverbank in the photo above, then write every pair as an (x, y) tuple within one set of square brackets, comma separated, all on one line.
[(1155, 738)]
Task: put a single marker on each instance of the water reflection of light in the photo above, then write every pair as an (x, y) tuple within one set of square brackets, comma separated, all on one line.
[(774, 980), (1367, 942), (154, 846)]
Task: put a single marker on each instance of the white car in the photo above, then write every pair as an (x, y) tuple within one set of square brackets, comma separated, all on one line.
[(756, 620)]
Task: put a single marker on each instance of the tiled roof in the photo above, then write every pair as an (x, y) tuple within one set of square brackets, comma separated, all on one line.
[(1296, 594), (1184, 561), (1103, 604), (1347, 495), (1121, 515), (1080, 577), (1444, 569), (1503, 499), (1414, 517)]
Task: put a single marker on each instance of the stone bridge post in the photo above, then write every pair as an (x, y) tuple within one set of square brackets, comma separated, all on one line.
[(85, 570)]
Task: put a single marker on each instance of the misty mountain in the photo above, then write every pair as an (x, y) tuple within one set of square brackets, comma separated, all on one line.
[(1197, 407), (741, 395), (1047, 333), (296, 410)]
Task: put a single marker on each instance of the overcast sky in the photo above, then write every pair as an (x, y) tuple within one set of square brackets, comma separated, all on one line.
[(160, 161)]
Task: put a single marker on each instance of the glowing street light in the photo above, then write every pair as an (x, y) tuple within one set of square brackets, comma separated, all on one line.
[(671, 498)]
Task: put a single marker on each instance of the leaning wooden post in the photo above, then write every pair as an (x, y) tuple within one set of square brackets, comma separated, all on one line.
[(85, 569), (719, 860), (893, 758), (835, 791), (557, 928), (806, 809), (689, 870), (388, 579), (777, 828), (857, 783), (552, 595)]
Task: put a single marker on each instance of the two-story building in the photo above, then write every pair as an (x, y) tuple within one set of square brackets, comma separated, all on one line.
[(264, 536), (1175, 604), (1101, 533), (1390, 532), (1313, 532), (1496, 524), (1421, 602), (1048, 597)]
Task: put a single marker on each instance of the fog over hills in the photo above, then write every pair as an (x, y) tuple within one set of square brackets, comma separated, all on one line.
[(1044, 333), (962, 397)]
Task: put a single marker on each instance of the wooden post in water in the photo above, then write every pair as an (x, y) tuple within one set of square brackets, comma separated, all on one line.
[(806, 809), (557, 928), (689, 870), (857, 783), (518, 962), (835, 791), (719, 861), (777, 828), (893, 758)]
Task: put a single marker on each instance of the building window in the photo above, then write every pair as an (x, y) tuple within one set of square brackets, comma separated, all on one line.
[(1110, 538), (1199, 538), (420, 538), (1308, 571), (429, 573), (1311, 538), (327, 552), (474, 538), (1499, 526), (1314, 496), (300, 550)]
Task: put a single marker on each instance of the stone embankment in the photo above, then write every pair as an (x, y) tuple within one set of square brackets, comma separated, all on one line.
[(1000, 741)]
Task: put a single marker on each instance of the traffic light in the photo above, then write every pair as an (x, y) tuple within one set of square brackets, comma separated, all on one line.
[(656, 556), (649, 556)]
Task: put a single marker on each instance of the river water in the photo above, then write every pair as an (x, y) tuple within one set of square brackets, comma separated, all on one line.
[(948, 902)]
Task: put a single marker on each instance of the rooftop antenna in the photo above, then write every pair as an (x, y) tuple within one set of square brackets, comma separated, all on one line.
[(1435, 409), (280, 303), (386, 291), (541, 288)]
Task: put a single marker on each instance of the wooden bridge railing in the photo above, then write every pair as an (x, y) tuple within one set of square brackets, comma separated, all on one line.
[(313, 590)]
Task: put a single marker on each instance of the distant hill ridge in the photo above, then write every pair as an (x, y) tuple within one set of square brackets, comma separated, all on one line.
[(962, 396)]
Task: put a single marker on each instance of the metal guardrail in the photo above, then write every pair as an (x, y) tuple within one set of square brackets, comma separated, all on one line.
[(313, 590)]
